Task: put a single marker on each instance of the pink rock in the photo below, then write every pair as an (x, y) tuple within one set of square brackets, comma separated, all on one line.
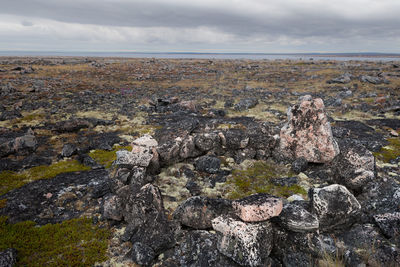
[(257, 208), (308, 133)]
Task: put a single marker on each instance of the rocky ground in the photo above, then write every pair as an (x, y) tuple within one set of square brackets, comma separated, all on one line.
[(200, 163)]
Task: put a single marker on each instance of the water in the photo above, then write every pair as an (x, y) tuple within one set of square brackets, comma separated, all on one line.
[(253, 56)]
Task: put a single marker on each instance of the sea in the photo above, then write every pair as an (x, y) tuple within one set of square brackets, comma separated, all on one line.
[(185, 55)]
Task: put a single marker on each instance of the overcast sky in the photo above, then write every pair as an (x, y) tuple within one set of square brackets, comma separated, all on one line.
[(268, 26)]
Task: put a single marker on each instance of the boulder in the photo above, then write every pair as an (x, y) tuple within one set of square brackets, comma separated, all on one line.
[(246, 104), (141, 254), (246, 243), (8, 257), (308, 132), (207, 141), (68, 150), (112, 208), (208, 164), (299, 165), (198, 211), (297, 219), (145, 214), (257, 208), (355, 165), (389, 223), (199, 248), (334, 206)]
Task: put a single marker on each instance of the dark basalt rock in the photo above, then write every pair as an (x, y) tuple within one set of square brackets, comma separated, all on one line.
[(198, 212), (68, 150), (199, 248), (8, 257), (46, 201), (246, 104), (208, 164), (141, 254)]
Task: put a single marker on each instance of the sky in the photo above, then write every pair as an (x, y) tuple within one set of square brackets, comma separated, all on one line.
[(252, 26)]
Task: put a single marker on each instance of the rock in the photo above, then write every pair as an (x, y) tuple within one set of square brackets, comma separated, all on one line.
[(297, 219), (9, 115), (257, 208), (345, 78), (245, 243), (207, 164), (140, 156), (235, 139), (334, 205), (19, 145), (207, 141), (299, 165), (72, 125), (7, 89), (146, 141), (188, 149), (144, 212), (141, 254), (188, 105), (169, 152), (68, 150), (355, 165), (8, 257), (87, 160), (373, 80), (199, 248), (308, 132), (389, 223), (245, 104), (198, 212), (112, 208)]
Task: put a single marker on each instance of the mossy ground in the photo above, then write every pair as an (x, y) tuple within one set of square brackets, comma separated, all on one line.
[(257, 179), (389, 152), (10, 180), (76, 242), (106, 158)]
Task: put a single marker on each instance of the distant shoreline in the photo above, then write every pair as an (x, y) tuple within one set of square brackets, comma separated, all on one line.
[(201, 55)]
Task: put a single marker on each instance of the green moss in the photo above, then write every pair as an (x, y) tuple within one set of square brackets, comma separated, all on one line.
[(76, 242), (389, 152), (106, 158), (10, 180), (257, 179)]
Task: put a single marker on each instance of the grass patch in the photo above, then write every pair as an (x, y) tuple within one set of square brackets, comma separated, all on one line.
[(257, 179), (75, 242), (3, 203), (10, 180), (106, 158), (389, 152)]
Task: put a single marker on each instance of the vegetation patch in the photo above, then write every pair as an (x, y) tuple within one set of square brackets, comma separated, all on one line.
[(75, 242), (10, 180), (257, 179), (106, 158), (389, 152)]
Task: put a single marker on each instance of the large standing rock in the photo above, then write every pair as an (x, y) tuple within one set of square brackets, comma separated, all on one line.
[(247, 244), (198, 212), (308, 133), (355, 165), (335, 206), (144, 212), (257, 208)]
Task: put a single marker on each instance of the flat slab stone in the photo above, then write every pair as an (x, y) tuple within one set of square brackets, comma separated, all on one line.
[(257, 208)]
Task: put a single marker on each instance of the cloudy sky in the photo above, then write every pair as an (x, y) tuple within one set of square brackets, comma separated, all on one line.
[(268, 26)]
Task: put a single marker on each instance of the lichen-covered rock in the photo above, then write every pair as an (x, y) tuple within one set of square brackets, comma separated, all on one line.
[(112, 208), (246, 243), (389, 223), (8, 257), (141, 154), (145, 214), (355, 165), (308, 132), (208, 164), (207, 141), (297, 219), (199, 248), (198, 212), (257, 208), (141, 254), (334, 205)]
